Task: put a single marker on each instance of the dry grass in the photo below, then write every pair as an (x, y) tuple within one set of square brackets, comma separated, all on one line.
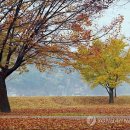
[(65, 102), (68, 106)]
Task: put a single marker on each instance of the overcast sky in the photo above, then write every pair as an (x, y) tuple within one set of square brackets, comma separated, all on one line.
[(119, 8)]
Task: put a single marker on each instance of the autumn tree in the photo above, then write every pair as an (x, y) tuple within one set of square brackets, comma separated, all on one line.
[(105, 63), (31, 32)]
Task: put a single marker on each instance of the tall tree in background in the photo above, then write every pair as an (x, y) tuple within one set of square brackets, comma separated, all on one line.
[(104, 63), (31, 32)]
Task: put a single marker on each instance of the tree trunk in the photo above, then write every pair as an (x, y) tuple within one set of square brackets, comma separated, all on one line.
[(115, 93), (111, 95), (4, 102)]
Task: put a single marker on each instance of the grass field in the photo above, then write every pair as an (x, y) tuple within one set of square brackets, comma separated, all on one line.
[(64, 106), (70, 105)]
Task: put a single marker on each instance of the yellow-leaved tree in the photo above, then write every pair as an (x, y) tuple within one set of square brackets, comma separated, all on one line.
[(104, 63)]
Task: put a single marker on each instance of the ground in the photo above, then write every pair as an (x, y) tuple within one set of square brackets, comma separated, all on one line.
[(67, 113)]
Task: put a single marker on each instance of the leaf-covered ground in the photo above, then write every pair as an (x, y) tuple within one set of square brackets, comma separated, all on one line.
[(24, 108), (58, 124), (86, 111)]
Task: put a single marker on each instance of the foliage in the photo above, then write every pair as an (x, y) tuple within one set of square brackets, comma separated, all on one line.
[(104, 63), (31, 30)]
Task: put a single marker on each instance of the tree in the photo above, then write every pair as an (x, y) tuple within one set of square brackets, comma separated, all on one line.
[(104, 63), (31, 32)]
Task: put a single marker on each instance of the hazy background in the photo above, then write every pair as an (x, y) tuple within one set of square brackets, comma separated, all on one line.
[(57, 82)]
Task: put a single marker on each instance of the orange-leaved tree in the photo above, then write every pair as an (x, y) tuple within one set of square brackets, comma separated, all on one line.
[(31, 32), (104, 63)]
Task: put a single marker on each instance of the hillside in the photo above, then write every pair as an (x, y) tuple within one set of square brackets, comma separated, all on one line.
[(54, 83)]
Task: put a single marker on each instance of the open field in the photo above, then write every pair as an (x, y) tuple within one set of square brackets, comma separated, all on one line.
[(70, 106), (25, 112)]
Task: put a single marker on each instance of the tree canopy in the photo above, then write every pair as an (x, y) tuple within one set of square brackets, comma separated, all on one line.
[(31, 29), (33, 32), (105, 63)]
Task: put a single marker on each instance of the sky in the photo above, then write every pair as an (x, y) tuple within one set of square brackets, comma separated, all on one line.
[(35, 78), (114, 11)]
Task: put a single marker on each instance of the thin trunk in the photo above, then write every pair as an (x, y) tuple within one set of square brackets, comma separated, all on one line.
[(4, 102), (115, 93), (111, 95)]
